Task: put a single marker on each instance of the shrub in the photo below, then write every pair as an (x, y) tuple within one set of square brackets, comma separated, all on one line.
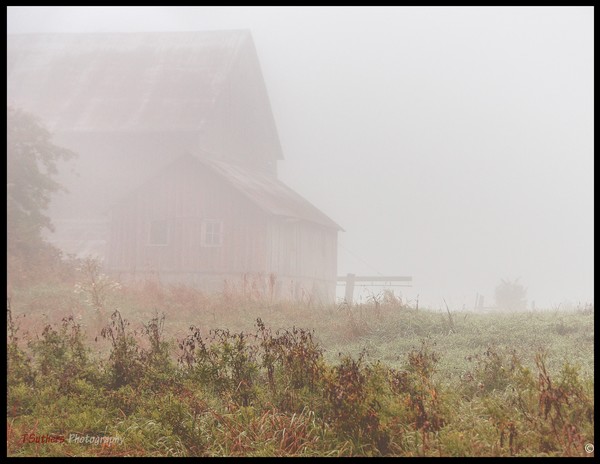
[(61, 355), (418, 393), (291, 354), (125, 366), (227, 362), (19, 364)]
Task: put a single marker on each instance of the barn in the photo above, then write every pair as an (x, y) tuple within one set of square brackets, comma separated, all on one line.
[(177, 170), (213, 223)]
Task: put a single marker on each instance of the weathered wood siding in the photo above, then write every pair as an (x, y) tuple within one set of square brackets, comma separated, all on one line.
[(303, 257), (185, 196), (241, 126), (274, 256)]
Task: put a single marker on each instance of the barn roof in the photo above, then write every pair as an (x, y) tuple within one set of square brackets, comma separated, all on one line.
[(133, 88), (268, 193), (122, 82)]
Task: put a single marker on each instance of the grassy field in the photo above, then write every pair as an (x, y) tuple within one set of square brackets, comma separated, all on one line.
[(174, 372)]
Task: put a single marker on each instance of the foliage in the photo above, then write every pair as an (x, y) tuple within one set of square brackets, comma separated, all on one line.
[(31, 165), (125, 366), (291, 355), (406, 387), (95, 285), (62, 353), (226, 361), (511, 295), (19, 364)]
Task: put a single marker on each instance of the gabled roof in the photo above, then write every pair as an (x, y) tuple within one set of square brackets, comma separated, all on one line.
[(135, 82), (268, 193)]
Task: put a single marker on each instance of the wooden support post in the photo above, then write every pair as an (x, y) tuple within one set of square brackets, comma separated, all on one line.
[(349, 289)]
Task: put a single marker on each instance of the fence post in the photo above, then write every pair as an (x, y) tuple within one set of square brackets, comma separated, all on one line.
[(349, 289)]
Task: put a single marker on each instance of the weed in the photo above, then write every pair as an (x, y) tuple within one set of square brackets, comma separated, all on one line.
[(19, 363), (250, 390), (125, 364)]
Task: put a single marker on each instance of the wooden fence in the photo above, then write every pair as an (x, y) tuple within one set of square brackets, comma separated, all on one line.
[(388, 281)]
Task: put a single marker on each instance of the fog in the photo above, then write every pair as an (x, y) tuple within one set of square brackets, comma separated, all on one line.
[(453, 145)]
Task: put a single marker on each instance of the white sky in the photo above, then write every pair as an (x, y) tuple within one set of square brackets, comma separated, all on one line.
[(452, 144)]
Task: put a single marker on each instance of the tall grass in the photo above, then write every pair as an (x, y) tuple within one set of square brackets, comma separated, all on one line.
[(174, 372)]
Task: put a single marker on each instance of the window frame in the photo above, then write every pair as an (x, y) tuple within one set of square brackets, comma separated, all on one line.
[(205, 234)]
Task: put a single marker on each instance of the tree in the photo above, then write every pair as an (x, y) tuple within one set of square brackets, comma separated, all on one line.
[(511, 295), (31, 169)]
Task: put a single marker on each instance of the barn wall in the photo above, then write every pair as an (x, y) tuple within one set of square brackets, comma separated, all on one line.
[(102, 172), (269, 256), (185, 196), (303, 257)]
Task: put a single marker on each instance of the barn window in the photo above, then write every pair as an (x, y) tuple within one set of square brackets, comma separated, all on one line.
[(159, 233), (212, 233)]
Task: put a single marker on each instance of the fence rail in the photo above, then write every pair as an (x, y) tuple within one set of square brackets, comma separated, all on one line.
[(390, 281)]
